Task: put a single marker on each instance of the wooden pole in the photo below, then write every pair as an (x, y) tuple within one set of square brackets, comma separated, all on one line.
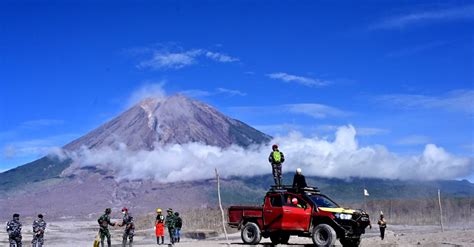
[(220, 206), (440, 211)]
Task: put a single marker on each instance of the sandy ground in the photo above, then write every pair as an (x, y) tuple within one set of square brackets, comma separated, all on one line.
[(82, 233)]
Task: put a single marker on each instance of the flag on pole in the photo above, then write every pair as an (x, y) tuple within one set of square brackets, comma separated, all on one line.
[(366, 193)]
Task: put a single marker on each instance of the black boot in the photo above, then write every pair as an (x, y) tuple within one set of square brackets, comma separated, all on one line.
[(179, 239)]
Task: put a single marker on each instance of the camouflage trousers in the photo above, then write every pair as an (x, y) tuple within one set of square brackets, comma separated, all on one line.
[(15, 241), (104, 233), (127, 234), (276, 170), (171, 232), (38, 240)]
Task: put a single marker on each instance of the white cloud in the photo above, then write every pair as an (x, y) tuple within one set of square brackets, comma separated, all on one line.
[(457, 101), (36, 147), (306, 81), (441, 15), (316, 110), (219, 57), (148, 90), (230, 92), (341, 158), (414, 140), (163, 59), (166, 60)]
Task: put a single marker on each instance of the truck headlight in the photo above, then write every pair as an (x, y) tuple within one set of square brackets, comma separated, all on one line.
[(344, 216)]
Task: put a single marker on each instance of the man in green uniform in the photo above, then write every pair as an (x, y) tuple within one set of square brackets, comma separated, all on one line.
[(104, 222), (170, 223)]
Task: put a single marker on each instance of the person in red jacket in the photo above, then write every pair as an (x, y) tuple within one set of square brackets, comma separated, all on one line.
[(160, 227)]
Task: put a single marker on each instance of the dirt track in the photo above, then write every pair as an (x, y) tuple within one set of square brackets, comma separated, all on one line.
[(82, 233)]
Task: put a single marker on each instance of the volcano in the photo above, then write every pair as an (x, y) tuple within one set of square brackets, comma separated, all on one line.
[(50, 184)]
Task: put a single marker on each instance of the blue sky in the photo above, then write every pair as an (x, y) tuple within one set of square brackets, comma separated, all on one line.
[(401, 72)]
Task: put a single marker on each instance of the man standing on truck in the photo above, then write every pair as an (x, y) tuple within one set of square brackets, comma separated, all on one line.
[(39, 226), (170, 223), (104, 222), (276, 158), (299, 180), (129, 231), (382, 224)]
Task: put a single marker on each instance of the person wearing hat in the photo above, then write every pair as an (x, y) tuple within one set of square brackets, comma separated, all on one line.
[(160, 227), (170, 223), (276, 159), (14, 231), (299, 181), (382, 224), (39, 226), (178, 225), (129, 231), (104, 222)]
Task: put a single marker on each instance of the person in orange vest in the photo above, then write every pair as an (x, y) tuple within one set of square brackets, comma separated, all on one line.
[(276, 159), (160, 227)]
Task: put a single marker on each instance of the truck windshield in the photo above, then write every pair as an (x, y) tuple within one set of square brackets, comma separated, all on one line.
[(322, 201)]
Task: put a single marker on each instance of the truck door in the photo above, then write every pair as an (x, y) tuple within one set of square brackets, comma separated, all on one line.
[(272, 212), (296, 217)]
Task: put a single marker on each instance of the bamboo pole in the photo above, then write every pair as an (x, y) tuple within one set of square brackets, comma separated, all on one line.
[(440, 211), (220, 206)]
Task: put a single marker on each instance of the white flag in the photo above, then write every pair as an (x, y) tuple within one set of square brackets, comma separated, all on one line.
[(366, 193)]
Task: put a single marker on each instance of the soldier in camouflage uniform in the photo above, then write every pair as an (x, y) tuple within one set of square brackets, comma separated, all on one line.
[(129, 227), (14, 231), (104, 222), (39, 226), (170, 223)]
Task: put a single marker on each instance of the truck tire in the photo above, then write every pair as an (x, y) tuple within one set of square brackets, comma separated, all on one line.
[(324, 235), (251, 233), (350, 242)]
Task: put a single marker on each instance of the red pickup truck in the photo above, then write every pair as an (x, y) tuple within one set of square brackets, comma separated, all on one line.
[(306, 213)]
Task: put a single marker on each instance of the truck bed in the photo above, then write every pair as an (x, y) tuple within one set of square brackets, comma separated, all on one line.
[(237, 213)]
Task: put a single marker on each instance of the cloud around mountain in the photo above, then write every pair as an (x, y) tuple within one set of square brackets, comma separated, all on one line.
[(339, 158)]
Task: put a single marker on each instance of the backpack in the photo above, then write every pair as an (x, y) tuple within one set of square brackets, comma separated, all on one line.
[(276, 156)]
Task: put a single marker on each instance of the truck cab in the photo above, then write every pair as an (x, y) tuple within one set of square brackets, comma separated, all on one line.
[(305, 212)]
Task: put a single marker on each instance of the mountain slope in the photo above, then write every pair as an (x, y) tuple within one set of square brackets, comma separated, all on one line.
[(38, 170), (176, 119)]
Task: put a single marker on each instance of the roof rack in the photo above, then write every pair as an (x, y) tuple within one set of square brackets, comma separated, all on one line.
[(289, 188)]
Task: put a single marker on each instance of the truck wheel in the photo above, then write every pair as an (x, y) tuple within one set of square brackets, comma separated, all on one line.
[(251, 233), (350, 242), (324, 235)]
